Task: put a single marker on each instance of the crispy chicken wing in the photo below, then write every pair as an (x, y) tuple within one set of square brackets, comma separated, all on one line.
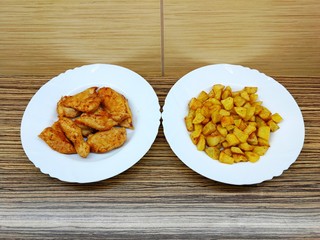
[(56, 139), (85, 101), (105, 141), (74, 134)]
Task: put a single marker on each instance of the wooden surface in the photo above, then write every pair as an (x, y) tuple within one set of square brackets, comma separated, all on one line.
[(159, 197)]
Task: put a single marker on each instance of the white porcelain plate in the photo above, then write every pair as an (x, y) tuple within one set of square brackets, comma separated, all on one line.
[(41, 113), (286, 143)]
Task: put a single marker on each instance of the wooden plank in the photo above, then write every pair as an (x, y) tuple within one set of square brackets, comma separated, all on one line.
[(49, 37), (276, 37), (159, 197)]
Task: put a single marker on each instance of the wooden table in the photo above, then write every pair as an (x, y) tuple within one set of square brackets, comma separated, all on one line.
[(159, 197)]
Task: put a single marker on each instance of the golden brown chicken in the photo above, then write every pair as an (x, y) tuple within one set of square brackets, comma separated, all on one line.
[(56, 139), (74, 134), (117, 105), (105, 141), (85, 101), (101, 121), (64, 111)]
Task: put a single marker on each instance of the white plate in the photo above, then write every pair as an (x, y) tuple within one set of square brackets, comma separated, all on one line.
[(41, 113), (286, 143)]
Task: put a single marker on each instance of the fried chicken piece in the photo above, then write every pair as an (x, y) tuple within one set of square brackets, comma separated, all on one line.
[(74, 134), (100, 121), (105, 141), (85, 101), (64, 111), (56, 139), (117, 105)]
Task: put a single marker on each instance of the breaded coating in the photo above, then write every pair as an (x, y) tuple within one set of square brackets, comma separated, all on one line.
[(100, 122), (116, 104), (74, 134), (105, 141), (56, 139), (85, 130), (85, 101), (64, 111)]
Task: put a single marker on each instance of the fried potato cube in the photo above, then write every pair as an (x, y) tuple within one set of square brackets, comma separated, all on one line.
[(239, 101), (203, 96), (245, 146), (251, 90), (273, 126), (253, 97), (215, 117), (260, 150), (252, 157), (265, 114), (224, 112), (249, 129), (260, 122), (240, 135), (213, 141), (189, 124), (223, 131), (239, 157), (250, 113), (264, 132), (276, 118), (225, 158), (209, 128), (198, 118), (227, 103), (227, 92), (226, 121), (252, 139), (232, 139), (105, 141), (236, 150), (212, 152), (263, 142), (217, 90), (74, 134), (201, 143), (241, 111), (245, 95), (195, 103)]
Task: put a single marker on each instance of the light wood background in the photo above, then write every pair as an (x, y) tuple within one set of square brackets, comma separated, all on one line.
[(159, 197)]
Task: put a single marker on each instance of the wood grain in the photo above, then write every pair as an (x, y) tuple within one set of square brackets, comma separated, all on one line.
[(276, 37), (47, 37), (159, 197)]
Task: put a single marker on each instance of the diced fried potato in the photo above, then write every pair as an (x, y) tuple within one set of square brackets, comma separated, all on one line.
[(236, 150), (213, 141), (250, 113), (203, 96), (276, 118), (273, 126), (227, 103), (245, 95), (241, 111), (264, 132), (249, 129), (217, 89), (240, 135), (245, 146), (215, 117), (224, 158), (252, 156), (265, 114), (201, 143), (194, 104), (198, 117), (232, 139), (224, 112), (213, 152), (251, 90), (226, 121), (263, 142), (260, 150), (209, 128), (252, 139), (223, 131), (239, 157), (239, 101), (189, 124)]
